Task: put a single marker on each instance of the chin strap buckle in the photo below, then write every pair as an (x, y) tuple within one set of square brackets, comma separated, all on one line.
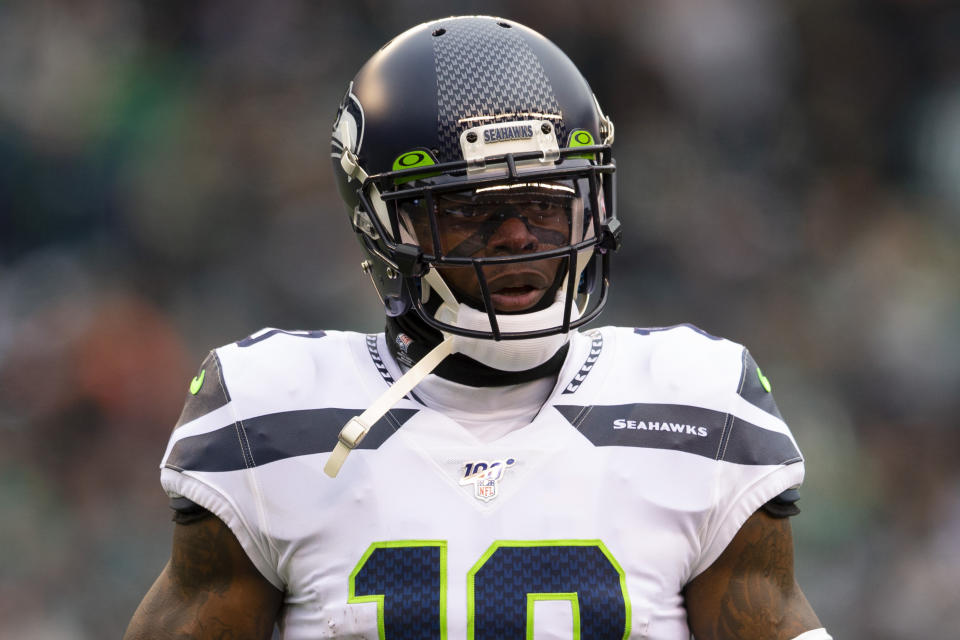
[(350, 437), (353, 433)]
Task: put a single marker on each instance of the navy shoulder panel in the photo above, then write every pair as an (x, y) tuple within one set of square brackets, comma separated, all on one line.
[(276, 436), (207, 392), (755, 388)]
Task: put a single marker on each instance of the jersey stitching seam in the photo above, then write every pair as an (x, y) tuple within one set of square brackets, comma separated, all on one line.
[(729, 421), (733, 423), (243, 454), (238, 423), (743, 380), (721, 449), (223, 387), (258, 500), (245, 445), (392, 418), (578, 420)]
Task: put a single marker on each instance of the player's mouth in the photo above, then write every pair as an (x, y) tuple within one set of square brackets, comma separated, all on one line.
[(518, 292), (516, 298)]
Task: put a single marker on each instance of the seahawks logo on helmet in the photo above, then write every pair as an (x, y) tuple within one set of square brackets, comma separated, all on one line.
[(348, 126)]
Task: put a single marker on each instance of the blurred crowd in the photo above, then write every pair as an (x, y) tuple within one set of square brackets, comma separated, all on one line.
[(789, 178)]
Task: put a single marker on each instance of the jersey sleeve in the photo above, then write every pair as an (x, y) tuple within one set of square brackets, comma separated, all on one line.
[(757, 461), (208, 462)]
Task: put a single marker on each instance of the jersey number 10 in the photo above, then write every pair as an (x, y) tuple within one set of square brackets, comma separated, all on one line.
[(407, 580)]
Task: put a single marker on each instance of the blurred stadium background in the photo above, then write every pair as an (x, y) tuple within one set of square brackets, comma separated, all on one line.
[(789, 178)]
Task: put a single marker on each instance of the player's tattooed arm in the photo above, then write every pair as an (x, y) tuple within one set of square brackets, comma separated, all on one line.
[(750, 591), (208, 590)]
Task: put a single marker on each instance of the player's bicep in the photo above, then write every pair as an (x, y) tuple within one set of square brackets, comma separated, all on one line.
[(209, 589), (750, 591)]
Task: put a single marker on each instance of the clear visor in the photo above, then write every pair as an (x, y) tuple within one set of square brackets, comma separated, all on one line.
[(502, 220)]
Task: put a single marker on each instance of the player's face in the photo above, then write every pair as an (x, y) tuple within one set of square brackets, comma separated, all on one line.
[(502, 221)]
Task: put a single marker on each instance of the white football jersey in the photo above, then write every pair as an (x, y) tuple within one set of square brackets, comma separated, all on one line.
[(652, 450)]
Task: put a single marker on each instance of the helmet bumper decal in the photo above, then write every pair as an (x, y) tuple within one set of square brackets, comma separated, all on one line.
[(501, 138)]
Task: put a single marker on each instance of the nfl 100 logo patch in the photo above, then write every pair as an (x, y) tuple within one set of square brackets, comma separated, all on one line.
[(485, 477)]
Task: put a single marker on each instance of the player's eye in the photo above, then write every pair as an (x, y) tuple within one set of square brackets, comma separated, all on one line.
[(545, 210), (463, 209), (465, 212)]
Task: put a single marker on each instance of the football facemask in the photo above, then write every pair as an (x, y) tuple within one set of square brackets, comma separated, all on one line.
[(516, 238)]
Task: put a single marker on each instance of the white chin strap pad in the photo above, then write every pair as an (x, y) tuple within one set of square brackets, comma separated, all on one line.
[(815, 634), (508, 355)]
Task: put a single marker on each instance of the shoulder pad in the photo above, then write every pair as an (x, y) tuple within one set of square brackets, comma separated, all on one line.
[(279, 367), (686, 358)]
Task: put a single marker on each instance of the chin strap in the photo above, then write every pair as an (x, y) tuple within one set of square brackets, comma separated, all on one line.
[(354, 431), (517, 355)]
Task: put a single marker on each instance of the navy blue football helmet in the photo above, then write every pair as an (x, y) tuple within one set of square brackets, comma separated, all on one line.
[(454, 128)]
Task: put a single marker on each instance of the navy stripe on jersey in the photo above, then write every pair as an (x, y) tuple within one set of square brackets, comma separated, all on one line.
[(752, 390), (694, 430), (249, 341), (596, 346), (377, 360), (645, 331), (212, 395), (276, 436)]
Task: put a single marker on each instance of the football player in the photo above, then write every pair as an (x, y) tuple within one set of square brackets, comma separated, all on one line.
[(482, 469)]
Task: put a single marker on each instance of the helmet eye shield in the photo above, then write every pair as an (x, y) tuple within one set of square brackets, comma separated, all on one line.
[(499, 220)]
